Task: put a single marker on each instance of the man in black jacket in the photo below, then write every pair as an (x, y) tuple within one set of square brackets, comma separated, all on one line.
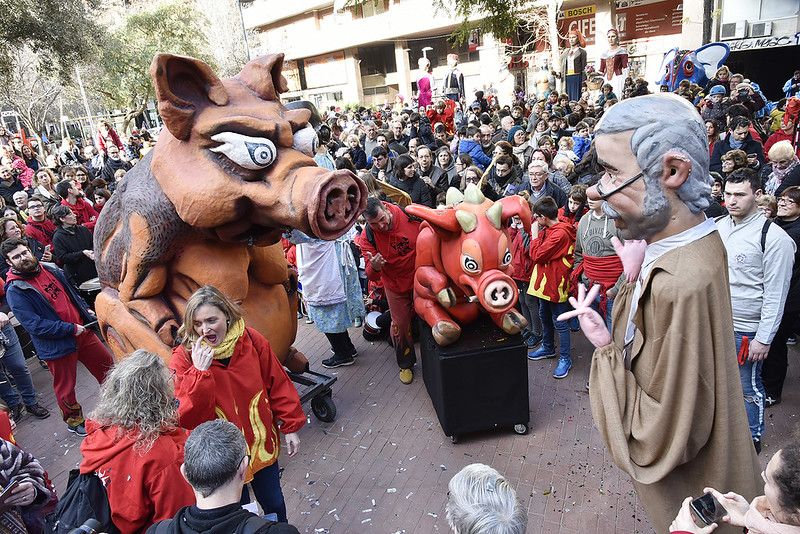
[(214, 463), (773, 371), (540, 185), (9, 184), (738, 138), (113, 164)]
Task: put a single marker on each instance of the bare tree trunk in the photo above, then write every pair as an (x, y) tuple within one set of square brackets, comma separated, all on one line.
[(708, 7), (132, 114)]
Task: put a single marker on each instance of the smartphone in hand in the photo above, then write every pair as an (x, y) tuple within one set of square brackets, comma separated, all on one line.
[(707, 510)]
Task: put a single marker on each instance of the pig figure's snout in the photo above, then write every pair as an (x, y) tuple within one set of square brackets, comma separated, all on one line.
[(496, 292), (335, 204)]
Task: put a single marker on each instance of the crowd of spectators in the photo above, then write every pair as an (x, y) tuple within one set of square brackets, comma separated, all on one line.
[(540, 149)]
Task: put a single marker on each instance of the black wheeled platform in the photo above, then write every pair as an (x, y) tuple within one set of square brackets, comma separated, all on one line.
[(316, 387), (478, 383)]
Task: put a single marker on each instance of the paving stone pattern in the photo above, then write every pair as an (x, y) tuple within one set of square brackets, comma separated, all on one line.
[(384, 464)]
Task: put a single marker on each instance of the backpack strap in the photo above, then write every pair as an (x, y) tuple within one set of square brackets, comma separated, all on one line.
[(764, 231), (254, 524)]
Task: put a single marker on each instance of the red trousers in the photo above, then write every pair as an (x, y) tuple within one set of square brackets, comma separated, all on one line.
[(95, 357), (401, 307)]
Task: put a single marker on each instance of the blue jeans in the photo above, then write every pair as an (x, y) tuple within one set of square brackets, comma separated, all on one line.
[(753, 388), (548, 311), (529, 307), (14, 362), (266, 485), (609, 309)]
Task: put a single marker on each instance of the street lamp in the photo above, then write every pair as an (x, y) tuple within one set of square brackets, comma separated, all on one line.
[(425, 51)]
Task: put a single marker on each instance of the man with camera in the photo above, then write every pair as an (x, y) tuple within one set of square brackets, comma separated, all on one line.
[(739, 137), (214, 463)]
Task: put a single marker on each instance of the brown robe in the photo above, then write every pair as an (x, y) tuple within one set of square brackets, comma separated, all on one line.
[(675, 422)]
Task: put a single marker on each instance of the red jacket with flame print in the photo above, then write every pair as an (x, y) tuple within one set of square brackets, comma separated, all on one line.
[(253, 392), (552, 256)]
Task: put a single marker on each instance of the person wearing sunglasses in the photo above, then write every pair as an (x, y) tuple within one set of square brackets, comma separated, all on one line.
[(663, 383)]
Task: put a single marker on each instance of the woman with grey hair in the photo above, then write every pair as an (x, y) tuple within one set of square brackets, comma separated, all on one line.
[(134, 444), (481, 501)]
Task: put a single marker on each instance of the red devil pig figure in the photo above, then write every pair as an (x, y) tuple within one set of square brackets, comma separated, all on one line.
[(462, 257), (232, 169)]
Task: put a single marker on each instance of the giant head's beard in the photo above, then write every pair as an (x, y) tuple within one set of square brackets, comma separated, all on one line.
[(655, 213)]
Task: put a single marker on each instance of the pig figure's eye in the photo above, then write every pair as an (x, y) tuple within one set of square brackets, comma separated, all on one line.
[(254, 153), (306, 141)]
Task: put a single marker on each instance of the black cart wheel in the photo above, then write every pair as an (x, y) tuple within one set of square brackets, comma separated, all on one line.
[(324, 408), (454, 438), (521, 429)]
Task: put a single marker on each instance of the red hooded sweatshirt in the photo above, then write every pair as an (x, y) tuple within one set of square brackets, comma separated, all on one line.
[(398, 247), (41, 231), (142, 487), (84, 212), (552, 256), (253, 392)]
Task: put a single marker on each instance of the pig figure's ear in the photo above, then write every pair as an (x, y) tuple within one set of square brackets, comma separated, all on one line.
[(184, 85), (516, 205), (440, 220)]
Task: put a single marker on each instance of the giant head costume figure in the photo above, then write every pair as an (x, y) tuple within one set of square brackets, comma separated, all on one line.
[(655, 153), (697, 66), (463, 254), (232, 169)]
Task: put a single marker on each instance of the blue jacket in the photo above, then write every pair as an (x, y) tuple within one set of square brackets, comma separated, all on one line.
[(52, 337), (582, 145), (475, 151), (788, 89)]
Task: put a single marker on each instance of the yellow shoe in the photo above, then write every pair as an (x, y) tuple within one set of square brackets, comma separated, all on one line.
[(406, 376)]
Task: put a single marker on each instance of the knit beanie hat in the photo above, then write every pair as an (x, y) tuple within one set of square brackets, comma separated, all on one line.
[(512, 132)]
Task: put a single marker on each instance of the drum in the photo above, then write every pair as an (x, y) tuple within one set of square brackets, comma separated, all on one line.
[(90, 286), (372, 332)]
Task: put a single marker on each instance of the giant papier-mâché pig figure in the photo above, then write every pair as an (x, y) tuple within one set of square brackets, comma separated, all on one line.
[(697, 66), (232, 169), (463, 253)]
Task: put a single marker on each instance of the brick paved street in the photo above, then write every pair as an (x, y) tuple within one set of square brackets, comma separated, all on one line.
[(384, 464)]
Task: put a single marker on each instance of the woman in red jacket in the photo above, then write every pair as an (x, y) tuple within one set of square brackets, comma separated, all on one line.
[(225, 370), (135, 446)]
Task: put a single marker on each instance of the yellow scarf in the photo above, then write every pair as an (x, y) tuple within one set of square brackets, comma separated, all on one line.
[(225, 349)]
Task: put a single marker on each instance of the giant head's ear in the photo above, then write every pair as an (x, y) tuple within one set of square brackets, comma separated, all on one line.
[(677, 167), (183, 86)]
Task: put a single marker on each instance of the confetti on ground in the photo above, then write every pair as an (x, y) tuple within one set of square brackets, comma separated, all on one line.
[(432, 515), (336, 516), (410, 493), (391, 490), (373, 502), (443, 467), (367, 520), (332, 511), (368, 510)]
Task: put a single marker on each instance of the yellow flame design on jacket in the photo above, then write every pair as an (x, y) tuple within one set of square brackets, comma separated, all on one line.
[(264, 447)]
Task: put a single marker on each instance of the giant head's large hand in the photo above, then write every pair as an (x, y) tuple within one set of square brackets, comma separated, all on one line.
[(632, 255), (593, 326)]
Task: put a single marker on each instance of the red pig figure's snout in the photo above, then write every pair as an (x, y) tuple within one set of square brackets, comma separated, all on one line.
[(495, 290), (498, 294)]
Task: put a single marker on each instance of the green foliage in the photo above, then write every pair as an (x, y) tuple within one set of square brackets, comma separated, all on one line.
[(126, 54), (61, 32), (500, 17)]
